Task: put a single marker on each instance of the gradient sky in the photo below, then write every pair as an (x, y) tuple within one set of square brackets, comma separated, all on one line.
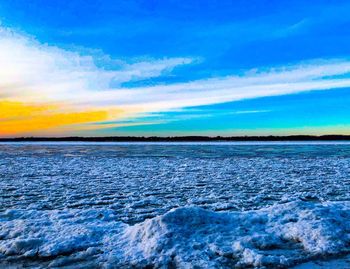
[(100, 68)]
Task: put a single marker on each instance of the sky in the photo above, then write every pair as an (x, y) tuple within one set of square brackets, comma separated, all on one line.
[(169, 68)]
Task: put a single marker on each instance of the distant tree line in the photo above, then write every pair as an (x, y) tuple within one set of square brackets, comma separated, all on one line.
[(181, 138)]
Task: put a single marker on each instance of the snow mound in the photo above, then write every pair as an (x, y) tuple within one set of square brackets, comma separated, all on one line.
[(280, 236), (54, 238)]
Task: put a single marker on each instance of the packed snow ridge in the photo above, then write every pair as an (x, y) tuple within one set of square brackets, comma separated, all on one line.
[(283, 235)]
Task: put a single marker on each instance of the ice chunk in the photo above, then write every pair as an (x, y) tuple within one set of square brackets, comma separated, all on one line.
[(283, 235)]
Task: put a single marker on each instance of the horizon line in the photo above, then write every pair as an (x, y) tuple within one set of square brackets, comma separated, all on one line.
[(190, 138)]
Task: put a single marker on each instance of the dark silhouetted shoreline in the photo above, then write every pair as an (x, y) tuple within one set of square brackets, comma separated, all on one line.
[(179, 138)]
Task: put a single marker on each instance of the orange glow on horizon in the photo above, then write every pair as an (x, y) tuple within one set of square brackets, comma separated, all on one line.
[(17, 118)]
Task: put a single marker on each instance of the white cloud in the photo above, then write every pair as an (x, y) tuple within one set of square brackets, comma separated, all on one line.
[(250, 111), (205, 92), (40, 72), (31, 71)]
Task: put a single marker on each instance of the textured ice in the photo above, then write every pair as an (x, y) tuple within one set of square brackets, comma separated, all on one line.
[(186, 206), (282, 235), (144, 181)]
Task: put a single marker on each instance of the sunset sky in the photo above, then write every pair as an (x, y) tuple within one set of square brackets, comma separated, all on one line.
[(102, 68)]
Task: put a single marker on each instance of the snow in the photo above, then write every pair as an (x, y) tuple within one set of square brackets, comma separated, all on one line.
[(145, 181), (185, 206), (282, 235)]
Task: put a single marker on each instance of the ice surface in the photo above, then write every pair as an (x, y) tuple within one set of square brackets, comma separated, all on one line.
[(224, 206), (147, 180), (282, 235)]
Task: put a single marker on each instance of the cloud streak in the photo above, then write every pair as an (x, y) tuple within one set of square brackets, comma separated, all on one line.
[(40, 74)]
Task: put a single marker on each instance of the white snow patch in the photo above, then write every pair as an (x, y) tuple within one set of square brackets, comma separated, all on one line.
[(282, 235)]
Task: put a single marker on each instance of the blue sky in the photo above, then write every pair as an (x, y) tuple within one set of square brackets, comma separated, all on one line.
[(176, 67)]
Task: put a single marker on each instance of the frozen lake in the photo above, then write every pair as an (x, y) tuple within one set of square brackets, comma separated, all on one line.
[(70, 188), (145, 180)]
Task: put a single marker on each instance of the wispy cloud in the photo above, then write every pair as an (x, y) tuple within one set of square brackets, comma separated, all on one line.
[(36, 73), (253, 84), (250, 111), (42, 72)]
